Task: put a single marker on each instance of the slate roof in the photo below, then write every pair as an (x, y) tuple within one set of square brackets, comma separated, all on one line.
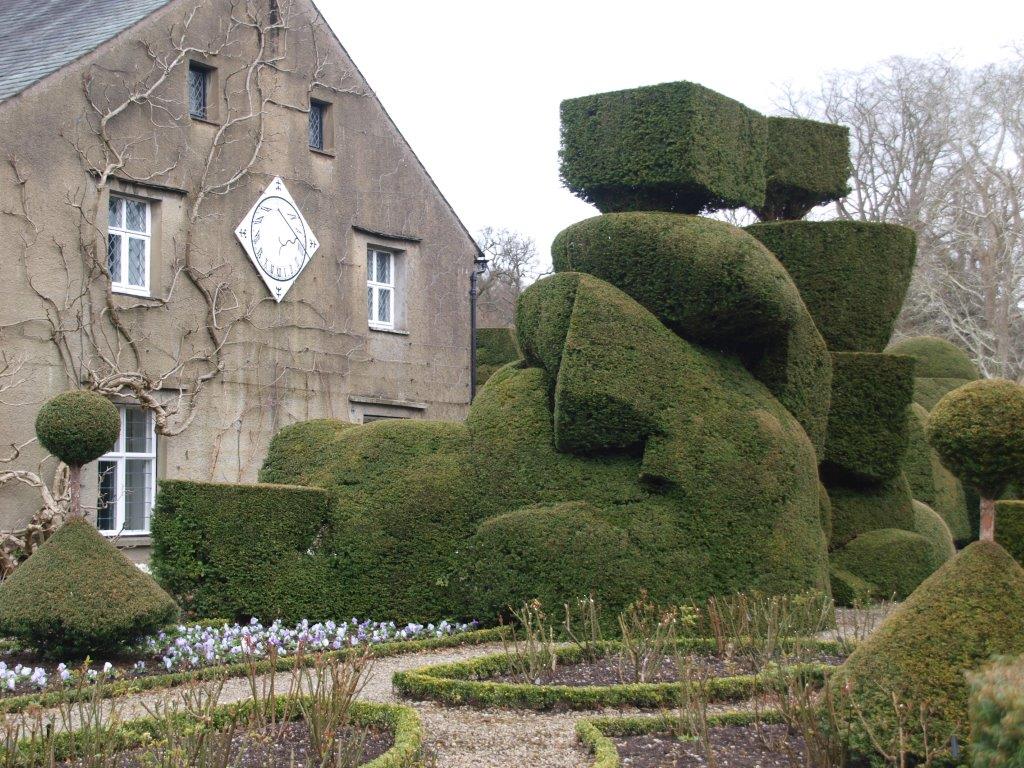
[(38, 37)]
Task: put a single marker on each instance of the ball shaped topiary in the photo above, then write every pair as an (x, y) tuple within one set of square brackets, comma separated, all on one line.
[(894, 561), (936, 358), (978, 432), (78, 427)]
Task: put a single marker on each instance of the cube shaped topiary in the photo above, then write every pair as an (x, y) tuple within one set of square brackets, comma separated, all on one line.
[(867, 422), (852, 275), (672, 147), (78, 594), (807, 164)]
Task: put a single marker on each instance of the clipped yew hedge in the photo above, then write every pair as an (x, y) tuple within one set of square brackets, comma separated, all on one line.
[(672, 147), (867, 423), (1010, 528), (244, 550), (494, 348), (857, 508), (807, 164), (853, 275), (996, 711), (893, 561)]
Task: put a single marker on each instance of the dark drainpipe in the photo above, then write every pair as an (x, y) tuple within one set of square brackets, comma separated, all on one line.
[(479, 268)]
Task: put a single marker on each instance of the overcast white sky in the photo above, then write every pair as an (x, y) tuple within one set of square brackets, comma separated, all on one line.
[(475, 86)]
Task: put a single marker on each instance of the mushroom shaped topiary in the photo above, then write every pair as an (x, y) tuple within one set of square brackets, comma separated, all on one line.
[(978, 432), (77, 427)]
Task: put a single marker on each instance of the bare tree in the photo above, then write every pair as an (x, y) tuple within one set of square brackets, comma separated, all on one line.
[(135, 130), (940, 149), (513, 264)]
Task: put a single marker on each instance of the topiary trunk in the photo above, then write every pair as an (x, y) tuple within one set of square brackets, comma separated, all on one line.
[(987, 530), (75, 486)]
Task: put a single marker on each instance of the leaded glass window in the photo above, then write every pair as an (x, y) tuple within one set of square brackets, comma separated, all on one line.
[(128, 244), (198, 85), (316, 125), (126, 476), (380, 288)]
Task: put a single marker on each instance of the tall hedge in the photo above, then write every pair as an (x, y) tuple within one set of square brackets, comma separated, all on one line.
[(714, 285), (672, 147), (244, 550), (807, 164), (494, 348), (867, 423), (852, 275), (969, 610), (78, 594)]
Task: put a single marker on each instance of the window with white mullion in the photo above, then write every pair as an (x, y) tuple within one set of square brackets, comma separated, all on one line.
[(126, 476), (380, 288), (129, 228)]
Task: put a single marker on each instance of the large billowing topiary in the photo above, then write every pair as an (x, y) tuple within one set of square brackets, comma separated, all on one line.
[(978, 432), (852, 275), (712, 284), (77, 594), (807, 164), (672, 147), (495, 347), (867, 424), (893, 561), (857, 508), (969, 610), (931, 482), (927, 523)]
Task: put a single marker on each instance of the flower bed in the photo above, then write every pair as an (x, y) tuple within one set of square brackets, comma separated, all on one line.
[(203, 652), (472, 682)]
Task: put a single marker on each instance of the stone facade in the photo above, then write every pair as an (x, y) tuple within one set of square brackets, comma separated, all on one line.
[(225, 365)]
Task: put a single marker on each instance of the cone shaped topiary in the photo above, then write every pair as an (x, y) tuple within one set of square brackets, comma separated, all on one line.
[(77, 595), (966, 612)]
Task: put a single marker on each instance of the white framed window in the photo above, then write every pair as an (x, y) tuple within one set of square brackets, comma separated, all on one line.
[(129, 228), (380, 288), (126, 476)]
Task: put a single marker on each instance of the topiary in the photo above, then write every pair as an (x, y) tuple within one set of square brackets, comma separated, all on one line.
[(1010, 532), (931, 482), (77, 427), (978, 432), (894, 561), (713, 285), (852, 275), (861, 507), (807, 164), (671, 147), (848, 589), (969, 610), (495, 347), (927, 523), (936, 358), (78, 594), (996, 711)]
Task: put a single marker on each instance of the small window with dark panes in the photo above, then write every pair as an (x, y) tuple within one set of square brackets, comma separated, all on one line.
[(198, 90), (317, 110)]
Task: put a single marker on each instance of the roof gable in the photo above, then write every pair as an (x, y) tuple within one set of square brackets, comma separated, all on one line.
[(39, 37)]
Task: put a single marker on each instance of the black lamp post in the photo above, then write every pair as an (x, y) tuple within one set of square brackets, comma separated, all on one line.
[(479, 268)]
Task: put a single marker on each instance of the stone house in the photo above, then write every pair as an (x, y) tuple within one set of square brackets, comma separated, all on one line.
[(207, 215)]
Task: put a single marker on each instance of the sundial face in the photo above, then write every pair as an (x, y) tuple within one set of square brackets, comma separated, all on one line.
[(277, 238)]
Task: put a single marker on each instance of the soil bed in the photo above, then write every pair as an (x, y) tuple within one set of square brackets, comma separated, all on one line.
[(284, 746), (734, 746), (614, 670)]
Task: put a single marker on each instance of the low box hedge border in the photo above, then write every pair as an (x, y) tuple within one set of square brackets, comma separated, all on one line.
[(460, 683), (118, 688), (595, 733), (402, 722)]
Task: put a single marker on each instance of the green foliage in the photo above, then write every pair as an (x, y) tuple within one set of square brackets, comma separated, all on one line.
[(297, 450), (494, 348), (1010, 527), (245, 550), (867, 423), (893, 561), (713, 285), (866, 507), (931, 482), (77, 594), (671, 147), (967, 611), (928, 392), (978, 432), (825, 507), (996, 711), (848, 589), (78, 427), (929, 524), (936, 358), (551, 552), (807, 165), (853, 275)]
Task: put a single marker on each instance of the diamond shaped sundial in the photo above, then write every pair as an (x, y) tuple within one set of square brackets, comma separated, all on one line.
[(277, 238)]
